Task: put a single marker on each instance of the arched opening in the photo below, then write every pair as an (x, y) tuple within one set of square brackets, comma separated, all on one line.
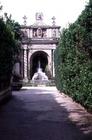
[(37, 57)]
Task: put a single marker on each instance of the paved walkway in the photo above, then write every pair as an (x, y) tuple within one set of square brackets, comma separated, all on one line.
[(42, 113)]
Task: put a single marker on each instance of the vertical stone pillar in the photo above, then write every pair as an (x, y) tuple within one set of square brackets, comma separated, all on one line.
[(47, 33), (25, 66), (22, 63), (53, 68), (30, 33), (28, 64), (50, 33)]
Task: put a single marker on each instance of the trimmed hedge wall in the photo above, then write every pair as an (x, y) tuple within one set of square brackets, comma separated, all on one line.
[(9, 49), (73, 59)]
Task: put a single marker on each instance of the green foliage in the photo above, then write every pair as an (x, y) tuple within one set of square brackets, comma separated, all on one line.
[(73, 59), (13, 26), (9, 49)]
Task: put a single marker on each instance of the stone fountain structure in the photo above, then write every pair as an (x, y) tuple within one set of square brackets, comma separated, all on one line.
[(40, 77)]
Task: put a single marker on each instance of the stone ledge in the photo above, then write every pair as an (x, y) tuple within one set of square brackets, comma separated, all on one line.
[(36, 83)]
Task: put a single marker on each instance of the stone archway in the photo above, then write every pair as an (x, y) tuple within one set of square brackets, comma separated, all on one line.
[(34, 60)]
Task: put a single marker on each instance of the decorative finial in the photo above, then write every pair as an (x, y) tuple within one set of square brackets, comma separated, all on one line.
[(53, 20), (25, 20)]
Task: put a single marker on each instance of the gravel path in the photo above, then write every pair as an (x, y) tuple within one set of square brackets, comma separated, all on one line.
[(42, 113)]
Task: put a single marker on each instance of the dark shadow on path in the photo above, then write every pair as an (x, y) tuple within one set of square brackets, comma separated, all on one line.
[(36, 115)]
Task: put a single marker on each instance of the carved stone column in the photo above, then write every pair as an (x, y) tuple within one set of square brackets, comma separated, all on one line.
[(25, 66), (22, 63), (28, 65)]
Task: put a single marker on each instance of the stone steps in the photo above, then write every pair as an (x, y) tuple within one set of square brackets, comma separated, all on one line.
[(39, 83)]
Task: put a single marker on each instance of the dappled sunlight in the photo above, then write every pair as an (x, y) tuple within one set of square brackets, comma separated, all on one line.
[(77, 113)]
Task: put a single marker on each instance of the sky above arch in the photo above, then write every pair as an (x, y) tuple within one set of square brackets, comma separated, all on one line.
[(65, 11)]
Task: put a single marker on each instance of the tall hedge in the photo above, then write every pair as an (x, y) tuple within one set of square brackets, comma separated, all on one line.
[(8, 51), (73, 59)]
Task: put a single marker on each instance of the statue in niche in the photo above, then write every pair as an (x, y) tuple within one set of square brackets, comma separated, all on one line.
[(54, 33), (39, 16)]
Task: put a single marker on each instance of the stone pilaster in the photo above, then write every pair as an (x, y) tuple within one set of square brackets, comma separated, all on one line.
[(30, 33), (28, 65), (25, 66), (22, 63)]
